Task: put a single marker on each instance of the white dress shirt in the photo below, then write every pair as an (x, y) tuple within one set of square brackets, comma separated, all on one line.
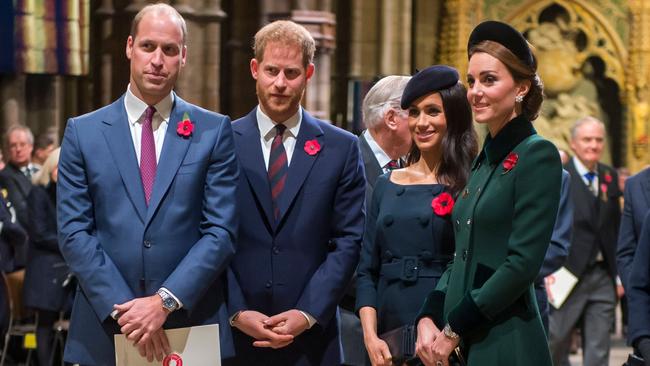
[(268, 132), (582, 170), (380, 155), (135, 109)]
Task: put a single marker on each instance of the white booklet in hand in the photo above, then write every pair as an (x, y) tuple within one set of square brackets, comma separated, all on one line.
[(559, 285), (190, 346)]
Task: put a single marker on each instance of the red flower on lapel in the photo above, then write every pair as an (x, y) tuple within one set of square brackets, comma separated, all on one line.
[(603, 188), (510, 162), (185, 127), (312, 147), (608, 178), (443, 204)]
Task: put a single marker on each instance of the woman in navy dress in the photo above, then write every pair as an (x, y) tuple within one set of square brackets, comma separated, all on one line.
[(409, 237)]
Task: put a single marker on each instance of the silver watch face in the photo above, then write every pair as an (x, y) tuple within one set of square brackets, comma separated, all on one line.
[(169, 303)]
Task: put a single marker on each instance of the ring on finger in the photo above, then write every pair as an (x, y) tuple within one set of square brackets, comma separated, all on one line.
[(439, 363)]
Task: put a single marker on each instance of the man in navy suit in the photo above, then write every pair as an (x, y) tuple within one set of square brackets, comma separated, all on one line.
[(638, 294), (635, 207), (146, 205), (301, 198)]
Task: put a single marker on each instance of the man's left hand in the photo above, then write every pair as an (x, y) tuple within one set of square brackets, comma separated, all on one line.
[(291, 322), (140, 317)]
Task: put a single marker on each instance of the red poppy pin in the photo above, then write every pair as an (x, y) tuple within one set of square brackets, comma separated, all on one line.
[(510, 162), (443, 204), (608, 178), (173, 359), (312, 147), (185, 127)]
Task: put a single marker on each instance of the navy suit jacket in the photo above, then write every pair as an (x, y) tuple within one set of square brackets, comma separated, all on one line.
[(119, 248), (637, 203), (304, 260), (638, 287)]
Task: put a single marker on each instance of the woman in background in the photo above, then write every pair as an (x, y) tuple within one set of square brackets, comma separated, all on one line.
[(409, 237), (46, 271)]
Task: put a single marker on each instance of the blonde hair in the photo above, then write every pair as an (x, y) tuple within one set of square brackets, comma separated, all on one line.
[(43, 176), (285, 32)]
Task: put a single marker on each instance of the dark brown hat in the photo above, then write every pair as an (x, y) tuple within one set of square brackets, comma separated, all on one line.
[(433, 78), (505, 35)]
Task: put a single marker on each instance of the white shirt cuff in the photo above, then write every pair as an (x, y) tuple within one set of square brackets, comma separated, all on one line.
[(180, 304), (310, 319)]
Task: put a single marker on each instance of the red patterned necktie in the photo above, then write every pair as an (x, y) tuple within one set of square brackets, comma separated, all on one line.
[(147, 154), (278, 168)]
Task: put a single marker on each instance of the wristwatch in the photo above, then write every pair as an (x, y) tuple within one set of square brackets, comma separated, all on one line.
[(449, 333), (168, 301)]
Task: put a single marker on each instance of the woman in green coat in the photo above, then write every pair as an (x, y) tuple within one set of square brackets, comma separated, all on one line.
[(502, 220)]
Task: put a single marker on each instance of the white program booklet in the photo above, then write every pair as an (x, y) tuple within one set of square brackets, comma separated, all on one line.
[(190, 346), (559, 285)]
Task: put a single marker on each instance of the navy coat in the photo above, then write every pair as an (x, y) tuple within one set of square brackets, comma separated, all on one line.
[(635, 207), (46, 270)]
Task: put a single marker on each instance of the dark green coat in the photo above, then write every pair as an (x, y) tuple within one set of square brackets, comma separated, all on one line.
[(503, 222)]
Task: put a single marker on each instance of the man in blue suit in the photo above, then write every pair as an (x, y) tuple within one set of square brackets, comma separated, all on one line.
[(301, 197), (146, 205)]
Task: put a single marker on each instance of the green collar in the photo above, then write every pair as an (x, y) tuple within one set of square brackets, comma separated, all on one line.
[(514, 132)]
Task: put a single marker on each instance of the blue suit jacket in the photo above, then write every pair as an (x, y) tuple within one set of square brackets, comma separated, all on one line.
[(305, 260), (119, 248), (638, 287), (637, 203)]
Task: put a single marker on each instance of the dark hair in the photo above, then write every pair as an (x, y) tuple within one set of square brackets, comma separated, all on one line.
[(43, 140), (459, 145), (532, 102)]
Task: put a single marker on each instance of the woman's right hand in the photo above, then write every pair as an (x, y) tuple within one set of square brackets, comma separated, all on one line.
[(378, 351), (427, 333)]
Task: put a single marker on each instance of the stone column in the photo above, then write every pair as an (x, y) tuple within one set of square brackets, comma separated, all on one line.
[(395, 38), (321, 25), (637, 86)]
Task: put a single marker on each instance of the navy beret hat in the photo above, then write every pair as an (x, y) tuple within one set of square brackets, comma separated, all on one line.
[(505, 35), (433, 78)]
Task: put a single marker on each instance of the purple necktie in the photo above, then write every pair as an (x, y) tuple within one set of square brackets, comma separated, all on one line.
[(278, 168), (147, 154)]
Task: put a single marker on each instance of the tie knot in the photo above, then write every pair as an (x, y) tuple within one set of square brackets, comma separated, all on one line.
[(590, 176), (279, 129), (148, 114), (393, 164)]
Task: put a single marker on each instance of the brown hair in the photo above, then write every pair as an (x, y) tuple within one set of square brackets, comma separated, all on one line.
[(520, 71), (285, 32)]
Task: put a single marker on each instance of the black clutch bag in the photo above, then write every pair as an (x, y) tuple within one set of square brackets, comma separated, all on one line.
[(634, 360), (401, 344)]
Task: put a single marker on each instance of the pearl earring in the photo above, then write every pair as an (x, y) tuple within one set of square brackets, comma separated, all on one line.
[(519, 99)]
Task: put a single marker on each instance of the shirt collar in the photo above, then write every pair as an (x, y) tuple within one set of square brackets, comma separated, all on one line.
[(380, 155), (581, 168), (266, 124), (514, 132), (135, 107)]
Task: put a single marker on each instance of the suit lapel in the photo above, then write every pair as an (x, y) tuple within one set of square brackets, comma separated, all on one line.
[(645, 187), (583, 199), (373, 170), (172, 154), (120, 143), (301, 162), (252, 162)]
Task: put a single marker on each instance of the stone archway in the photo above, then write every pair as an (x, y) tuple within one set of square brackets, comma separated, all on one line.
[(582, 63)]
